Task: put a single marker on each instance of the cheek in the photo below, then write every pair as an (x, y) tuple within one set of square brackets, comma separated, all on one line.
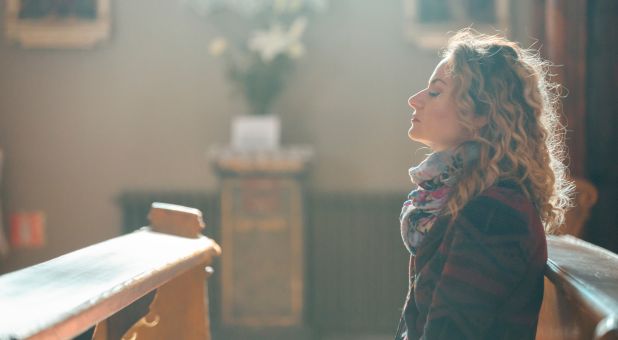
[(447, 120)]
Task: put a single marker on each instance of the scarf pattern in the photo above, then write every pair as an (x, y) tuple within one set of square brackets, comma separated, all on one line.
[(435, 178)]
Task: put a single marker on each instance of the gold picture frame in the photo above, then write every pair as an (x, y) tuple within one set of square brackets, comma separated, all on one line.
[(427, 23), (57, 24)]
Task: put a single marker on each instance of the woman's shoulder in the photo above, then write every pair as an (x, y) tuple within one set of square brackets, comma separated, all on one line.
[(501, 209)]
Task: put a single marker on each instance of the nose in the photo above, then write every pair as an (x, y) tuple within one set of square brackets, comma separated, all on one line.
[(414, 101)]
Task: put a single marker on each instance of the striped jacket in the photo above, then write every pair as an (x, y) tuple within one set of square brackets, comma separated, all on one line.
[(480, 277)]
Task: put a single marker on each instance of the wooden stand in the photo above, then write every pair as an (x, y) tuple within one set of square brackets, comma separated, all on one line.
[(263, 267)]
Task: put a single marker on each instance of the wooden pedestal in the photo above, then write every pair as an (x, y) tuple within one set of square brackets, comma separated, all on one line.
[(263, 264)]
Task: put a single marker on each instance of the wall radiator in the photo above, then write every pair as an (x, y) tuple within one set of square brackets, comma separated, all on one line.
[(356, 266)]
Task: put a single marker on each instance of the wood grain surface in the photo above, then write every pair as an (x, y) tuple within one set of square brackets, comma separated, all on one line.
[(63, 297)]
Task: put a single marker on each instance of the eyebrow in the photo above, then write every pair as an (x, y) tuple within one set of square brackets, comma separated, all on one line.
[(437, 80)]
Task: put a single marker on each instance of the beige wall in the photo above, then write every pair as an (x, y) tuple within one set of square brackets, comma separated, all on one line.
[(140, 111)]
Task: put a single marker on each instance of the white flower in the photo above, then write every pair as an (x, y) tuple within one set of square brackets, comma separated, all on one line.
[(298, 28), (296, 50), (217, 46), (269, 44)]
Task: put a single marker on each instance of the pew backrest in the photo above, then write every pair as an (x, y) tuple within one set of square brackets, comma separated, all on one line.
[(581, 292)]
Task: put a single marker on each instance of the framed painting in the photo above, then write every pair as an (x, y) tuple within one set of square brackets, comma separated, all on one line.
[(57, 23), (428, 22)]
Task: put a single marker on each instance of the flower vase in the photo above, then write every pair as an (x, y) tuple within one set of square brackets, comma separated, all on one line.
[(256, 132)]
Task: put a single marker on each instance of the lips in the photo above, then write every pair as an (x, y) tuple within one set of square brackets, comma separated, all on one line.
[(415, 120)]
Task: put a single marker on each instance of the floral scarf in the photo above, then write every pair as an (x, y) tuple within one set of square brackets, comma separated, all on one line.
[(435, 177)]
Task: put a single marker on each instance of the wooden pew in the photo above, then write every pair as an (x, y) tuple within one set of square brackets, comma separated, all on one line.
[(581, 292), (150, 284)]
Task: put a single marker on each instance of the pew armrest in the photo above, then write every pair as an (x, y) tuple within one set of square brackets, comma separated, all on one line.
[(65, 296)]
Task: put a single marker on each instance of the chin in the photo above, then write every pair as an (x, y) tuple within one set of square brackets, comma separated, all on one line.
[(414, 137)]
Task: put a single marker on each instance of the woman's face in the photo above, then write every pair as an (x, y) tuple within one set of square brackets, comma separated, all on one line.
[(434, 120)]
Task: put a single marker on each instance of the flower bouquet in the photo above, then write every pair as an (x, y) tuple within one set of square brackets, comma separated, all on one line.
[(260, 43)]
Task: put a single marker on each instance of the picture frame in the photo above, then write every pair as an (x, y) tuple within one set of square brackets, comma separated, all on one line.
[(57, 24), (429, 23), (4, 243)]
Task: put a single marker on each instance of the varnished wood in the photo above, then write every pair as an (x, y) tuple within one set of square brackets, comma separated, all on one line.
[(178, 312), (263, 269), (53, 32), (62, 297), (537, 29), (118, 324), (602, 121), (581, 292), (586, 195), (176, 220), (565, 45)]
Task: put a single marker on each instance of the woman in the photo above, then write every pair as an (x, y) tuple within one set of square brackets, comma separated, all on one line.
[(494, 184)]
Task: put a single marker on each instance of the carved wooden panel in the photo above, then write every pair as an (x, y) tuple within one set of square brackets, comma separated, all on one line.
[(262, 267)]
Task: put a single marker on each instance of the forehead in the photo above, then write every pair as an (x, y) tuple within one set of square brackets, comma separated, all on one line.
[(441, 72)]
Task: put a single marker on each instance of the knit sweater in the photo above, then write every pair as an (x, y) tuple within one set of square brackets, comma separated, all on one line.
[(480, 277)]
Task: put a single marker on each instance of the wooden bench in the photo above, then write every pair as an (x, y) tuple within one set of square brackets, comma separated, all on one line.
[(581, 292), (150, 284)]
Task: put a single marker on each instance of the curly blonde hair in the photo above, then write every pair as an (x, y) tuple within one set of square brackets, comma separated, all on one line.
[(520, 138)]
